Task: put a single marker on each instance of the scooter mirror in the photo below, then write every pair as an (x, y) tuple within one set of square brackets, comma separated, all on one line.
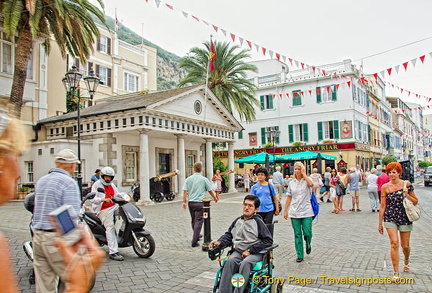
[(100, 189), (91, 195)]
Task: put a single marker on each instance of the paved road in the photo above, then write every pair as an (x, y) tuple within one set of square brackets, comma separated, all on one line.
[(344, 245)]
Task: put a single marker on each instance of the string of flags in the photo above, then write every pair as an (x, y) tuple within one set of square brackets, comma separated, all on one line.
[(303, 65)]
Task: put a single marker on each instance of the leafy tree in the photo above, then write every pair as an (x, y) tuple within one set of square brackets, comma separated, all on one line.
[(424, 164), (228, 79), (69, 23), (388, 159)]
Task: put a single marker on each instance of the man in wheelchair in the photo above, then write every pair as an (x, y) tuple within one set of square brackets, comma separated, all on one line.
[(248, 235)]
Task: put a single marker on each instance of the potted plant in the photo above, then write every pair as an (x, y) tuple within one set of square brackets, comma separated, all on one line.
[(328, 141), (22, 192), (298, 143)]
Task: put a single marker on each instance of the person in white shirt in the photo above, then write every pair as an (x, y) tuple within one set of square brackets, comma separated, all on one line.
[(373, 190), (278, 182)]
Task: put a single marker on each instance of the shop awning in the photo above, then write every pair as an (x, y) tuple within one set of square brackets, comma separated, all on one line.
[(259, 158), (304, 156)]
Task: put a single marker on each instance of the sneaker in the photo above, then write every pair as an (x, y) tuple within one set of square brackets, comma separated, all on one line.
[(299, 259), (196, 244), (328, 200), (116, 256)]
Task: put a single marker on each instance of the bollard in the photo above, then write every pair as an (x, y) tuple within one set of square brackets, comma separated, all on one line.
[(207, 226)]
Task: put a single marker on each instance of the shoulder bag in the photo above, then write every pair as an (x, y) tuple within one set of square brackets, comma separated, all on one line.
[(274, 206), (412, 211), (314, 204)]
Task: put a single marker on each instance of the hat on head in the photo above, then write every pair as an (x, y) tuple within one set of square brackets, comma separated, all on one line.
[(67, 156)]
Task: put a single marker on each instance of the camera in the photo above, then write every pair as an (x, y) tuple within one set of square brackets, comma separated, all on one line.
[(214, 252)]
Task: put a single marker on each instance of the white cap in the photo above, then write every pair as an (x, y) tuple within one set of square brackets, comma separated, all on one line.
[(67, 156)]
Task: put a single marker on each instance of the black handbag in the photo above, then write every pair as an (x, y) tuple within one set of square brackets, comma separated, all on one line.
[(274, 206)]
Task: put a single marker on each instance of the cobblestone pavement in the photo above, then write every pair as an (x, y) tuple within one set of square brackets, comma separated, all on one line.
[(343, 245)]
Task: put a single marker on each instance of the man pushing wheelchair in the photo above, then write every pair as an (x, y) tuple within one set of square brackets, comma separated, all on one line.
[(251, 241)]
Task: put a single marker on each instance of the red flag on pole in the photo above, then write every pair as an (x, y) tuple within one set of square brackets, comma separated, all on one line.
[(212, 56), (116, 28)]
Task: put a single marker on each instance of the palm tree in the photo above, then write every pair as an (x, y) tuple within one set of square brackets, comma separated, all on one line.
[(69, 22), (228, 79)]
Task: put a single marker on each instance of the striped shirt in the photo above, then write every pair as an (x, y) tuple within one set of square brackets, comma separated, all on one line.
[(53, 190)]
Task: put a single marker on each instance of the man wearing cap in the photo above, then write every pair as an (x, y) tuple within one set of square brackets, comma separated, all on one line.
[(95, 177), (53, 190)]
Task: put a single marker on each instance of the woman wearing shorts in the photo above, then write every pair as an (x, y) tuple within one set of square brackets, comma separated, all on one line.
[(395, 219)]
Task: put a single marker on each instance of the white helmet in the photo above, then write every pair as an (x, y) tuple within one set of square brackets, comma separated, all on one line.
[(107, 171)]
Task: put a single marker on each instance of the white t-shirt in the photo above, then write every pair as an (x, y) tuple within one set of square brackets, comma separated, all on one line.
[(300, 206), (372, 181)]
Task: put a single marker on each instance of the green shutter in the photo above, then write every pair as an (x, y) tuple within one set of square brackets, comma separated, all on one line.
[(334, 93), (336, 129), (270, 101), (305, 132), (318, 94), (297, 98), (240, 134), (291, 133), (277, 128), (262, 102), (263, 135), (369, 132), (224, 145), (320, 131)]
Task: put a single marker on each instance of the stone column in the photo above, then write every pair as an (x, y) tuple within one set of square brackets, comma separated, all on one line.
[(181, 163), (144, 168), (231, 186), (209, 160)]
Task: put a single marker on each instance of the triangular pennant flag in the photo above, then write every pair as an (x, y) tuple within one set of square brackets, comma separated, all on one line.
[(349, 83), (313, 68), (233, 36), (287, 94), (397, 68), (290, 60), (205, 22), (271, 54), (422, 58), (337, 86), (274, 96), (169, 6), (264, 50), (295, 94), (185, 14), (196, 18), (375, 75), (382, 73), (215, 27), (284, 59), (158, 2), (302, 93), (325, 73), (296, 63), (302, 65), (310, 92), (328, 89), (223, 31), (278, 56), (389, 71), (257, 47), (241, 41), (402, 90), (280, 96), (409, 93), (430, 54), (249, 44), (414, 61), (405, 65)]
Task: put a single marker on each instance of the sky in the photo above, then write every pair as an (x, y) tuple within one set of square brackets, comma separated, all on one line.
[(314, 32)]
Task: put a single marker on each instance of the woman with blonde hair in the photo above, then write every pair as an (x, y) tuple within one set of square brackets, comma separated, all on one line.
[(392, 212), (300, 209), (317, 183), (82, 268)]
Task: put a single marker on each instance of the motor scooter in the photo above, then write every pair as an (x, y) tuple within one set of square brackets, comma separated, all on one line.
[(131, 232)]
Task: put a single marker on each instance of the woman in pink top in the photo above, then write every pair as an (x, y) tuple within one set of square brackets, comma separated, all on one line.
[(381, 180)]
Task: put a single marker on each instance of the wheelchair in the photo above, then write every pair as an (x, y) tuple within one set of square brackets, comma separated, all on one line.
[(260, 275)]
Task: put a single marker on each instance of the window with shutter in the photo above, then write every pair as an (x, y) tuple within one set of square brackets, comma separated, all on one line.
[(305, 132), (278, 137), (240, 134), (297, 99), (320, 131), (334, 93), (318, 94), (291, 133), (262, 103), (336, 129), (263, 135)]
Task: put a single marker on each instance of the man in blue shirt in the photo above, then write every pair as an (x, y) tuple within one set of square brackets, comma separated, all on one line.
[(53, 190), (95, 177), (194, 189)]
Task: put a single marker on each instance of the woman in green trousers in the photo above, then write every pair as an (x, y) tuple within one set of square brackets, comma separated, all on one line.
[(300, 209)]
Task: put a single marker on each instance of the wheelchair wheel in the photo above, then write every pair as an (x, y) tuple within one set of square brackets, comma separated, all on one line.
[(276, 288), (170, 196)]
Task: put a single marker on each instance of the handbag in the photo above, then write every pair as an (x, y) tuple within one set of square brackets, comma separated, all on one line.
[(274, 206), (412, 211), (314, 204)]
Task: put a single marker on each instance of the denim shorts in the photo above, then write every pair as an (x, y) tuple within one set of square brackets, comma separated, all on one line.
[(401, 228)]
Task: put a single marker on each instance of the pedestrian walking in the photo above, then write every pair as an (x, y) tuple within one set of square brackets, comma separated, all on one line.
[(300, 210), (334, 180), (53, 190), (343, 176), (372, 188), (278, 182), (194, 189), (217, 183), (392, 212), (246, 181), (382, 179), (317, 183), (267, 195), (353, 179), (327, 176)]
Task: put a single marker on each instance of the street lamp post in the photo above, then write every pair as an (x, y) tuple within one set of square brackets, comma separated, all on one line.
[(273, 135), (71, 82)]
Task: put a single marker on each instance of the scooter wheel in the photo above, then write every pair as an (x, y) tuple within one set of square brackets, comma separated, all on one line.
[(158, 196), (146, 246), (170, 196)]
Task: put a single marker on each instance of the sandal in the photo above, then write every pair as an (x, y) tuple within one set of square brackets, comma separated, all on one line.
[(396, 277), (352, 210), (406, 267)]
